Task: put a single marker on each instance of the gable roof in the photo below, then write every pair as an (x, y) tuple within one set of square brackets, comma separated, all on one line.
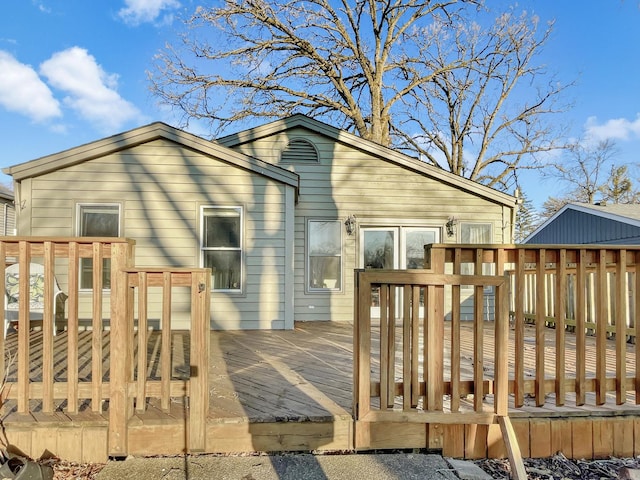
[(624, 213), (145, 134), (383, 153), (621, 212)]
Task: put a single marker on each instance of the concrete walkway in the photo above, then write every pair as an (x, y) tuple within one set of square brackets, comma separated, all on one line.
[(396, 466)]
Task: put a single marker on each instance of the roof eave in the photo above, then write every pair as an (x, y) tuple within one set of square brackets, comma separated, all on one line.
[(584, 209), (373, 148), (143, 135)]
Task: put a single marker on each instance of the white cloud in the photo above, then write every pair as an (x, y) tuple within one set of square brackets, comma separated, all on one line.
[(22, 91), (91, 91), (614, 129), (141, 11), (42, 7)]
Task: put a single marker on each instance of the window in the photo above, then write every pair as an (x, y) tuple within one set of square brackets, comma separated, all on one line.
[(221, 240), (475, 233), (478, 233), (97, 220), (415, 239), (324, 247)]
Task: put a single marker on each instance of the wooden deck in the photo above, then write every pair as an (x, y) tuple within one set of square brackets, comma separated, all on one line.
[(292, 390)]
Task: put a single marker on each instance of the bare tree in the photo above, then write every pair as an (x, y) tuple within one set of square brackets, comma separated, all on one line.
[(589, 174), (488, 118), (581, 171), (370, 66), (553, 204)]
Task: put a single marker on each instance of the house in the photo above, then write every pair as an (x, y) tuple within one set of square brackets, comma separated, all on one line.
[(584, 223), (8, 212), (282, 213)]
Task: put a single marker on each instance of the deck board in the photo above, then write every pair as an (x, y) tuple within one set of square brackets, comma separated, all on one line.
[(269, 389), (306, 372), (284, 375)]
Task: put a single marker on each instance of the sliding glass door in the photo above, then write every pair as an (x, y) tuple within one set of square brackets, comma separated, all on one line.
[(394, 248)]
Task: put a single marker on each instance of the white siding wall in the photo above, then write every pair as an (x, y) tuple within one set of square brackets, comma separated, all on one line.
[(348, 181), (162, 187)]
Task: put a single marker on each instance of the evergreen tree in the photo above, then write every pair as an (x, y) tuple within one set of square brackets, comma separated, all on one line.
[(527, 219), (619, 187)]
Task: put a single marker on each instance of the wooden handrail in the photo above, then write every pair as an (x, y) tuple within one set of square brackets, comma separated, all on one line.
[(61, 257), (589, 289), (422, 337)]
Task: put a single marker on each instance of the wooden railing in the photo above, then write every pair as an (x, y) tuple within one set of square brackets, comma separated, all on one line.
[(400, 361), (411, 301), (596, 285), (194, 386), (117, 371)]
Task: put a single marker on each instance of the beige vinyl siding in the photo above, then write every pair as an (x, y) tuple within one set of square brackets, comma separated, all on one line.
[(8, 219), (161, 187), (380, 193)]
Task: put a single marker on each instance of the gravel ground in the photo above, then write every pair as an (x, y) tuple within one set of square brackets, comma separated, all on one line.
[(557, 467)]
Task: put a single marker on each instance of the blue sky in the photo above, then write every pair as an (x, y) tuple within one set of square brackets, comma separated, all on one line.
[(74, 71)]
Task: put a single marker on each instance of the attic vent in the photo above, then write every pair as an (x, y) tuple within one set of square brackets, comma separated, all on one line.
[(299, 151)]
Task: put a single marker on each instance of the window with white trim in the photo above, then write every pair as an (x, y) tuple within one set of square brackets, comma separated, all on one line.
[(476, 233), (221, 240), (324, 255), (479, 233), (97, 220)]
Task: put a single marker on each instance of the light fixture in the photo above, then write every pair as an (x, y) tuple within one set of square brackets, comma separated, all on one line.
[(451, 226), (350, 224)]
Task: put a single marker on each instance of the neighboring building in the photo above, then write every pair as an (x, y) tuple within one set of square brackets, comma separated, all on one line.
[(8, 212), (584, 223), (283, 212)]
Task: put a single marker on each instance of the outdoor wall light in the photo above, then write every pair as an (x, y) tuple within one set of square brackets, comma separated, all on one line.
[(451, 226), (350, 224)]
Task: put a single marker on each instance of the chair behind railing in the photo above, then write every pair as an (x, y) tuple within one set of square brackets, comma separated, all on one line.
[(85, 371), (37, 282), (46, 372)]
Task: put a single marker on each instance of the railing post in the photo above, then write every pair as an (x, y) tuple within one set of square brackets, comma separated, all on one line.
[(520, 292), (72, 328), (621, 327), (601, 320), (501, 351), (560, 319), (361, 358), (23, 328), (581, 315), (436, 337), (120, 367), (478, 335), (363, 347), (200, 339), (540, 326), (356, 335), (165, 341), (434, 258)]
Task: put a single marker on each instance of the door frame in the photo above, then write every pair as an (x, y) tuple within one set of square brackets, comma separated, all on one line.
[(399, 254)]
